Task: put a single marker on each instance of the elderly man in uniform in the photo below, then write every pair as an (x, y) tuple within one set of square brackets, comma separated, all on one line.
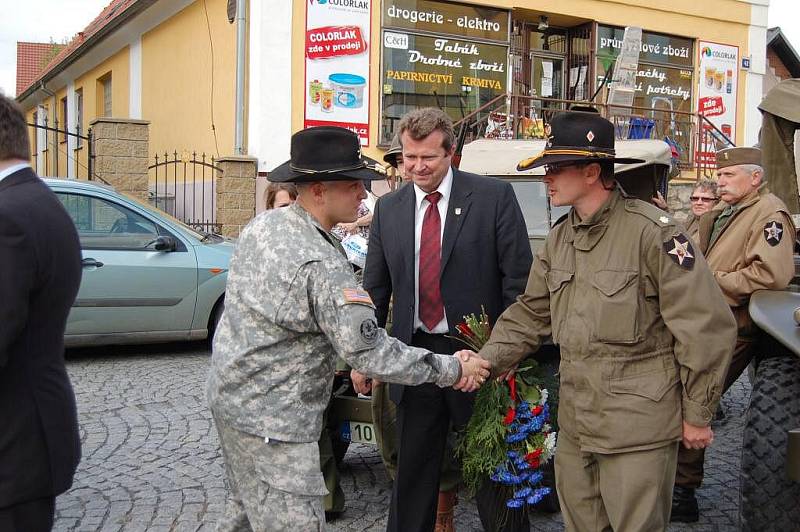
[(644, 332), (748, 240), (292, 305)]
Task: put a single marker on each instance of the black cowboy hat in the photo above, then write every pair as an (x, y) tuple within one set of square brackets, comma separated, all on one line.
[(577, 136), (325, 153)]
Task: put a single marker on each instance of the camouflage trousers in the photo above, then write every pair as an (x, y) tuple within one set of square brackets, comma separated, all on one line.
[(274, 487)]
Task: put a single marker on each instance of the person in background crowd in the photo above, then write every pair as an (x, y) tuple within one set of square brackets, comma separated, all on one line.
[(748, 240), (441, 249), (644, 334), (780, 121), (279, 195), (292, 305), (40, 272), (703, 198)]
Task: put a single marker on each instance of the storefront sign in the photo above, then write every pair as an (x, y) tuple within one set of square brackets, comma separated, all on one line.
[(716, 97), (458, 20), (337, 65), (655, 48), (453, 74)]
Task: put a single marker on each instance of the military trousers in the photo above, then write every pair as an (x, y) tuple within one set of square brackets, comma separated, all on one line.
[(690, 461), (273, 486), (623, 492)]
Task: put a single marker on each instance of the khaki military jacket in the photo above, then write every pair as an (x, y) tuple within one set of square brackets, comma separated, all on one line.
[(644, 331), (292, 305), (753, 250), (692, 227)]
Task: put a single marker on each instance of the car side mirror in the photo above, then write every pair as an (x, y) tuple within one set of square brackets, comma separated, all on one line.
[(165, 243)]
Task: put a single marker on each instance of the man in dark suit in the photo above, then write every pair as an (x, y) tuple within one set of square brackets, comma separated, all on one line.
[(443, 248), (40, 271)]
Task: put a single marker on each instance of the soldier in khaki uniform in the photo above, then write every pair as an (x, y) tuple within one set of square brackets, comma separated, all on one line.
[(780, 121), (292, 305), (748, 240), (644, 332)]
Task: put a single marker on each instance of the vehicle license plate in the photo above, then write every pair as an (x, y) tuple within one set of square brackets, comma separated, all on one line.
[(362, 433)]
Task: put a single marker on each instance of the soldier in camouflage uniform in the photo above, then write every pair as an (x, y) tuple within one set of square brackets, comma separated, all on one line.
[(291, 306)]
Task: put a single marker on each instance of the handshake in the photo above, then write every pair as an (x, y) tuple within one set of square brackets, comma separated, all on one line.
[(474, 371)]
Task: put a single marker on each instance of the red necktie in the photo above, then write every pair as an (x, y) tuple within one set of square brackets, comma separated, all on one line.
[(431, 309)]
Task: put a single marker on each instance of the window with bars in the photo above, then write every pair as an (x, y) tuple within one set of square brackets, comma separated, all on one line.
[(62, 122)]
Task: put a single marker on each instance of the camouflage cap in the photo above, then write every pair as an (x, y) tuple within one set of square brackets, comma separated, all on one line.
[(737, 156)]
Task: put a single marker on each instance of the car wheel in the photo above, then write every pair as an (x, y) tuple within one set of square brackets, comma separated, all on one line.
[(216, 315), (769, 500)]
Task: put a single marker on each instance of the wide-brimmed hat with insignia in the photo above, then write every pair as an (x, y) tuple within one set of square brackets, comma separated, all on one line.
[(394, 150), (738, 155), (577, 136), (325, 153)]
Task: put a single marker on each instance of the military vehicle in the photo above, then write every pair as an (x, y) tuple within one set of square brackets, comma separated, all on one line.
[(770, 470)]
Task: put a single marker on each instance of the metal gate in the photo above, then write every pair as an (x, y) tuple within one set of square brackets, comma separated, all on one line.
[(184, 186), (51, 139)]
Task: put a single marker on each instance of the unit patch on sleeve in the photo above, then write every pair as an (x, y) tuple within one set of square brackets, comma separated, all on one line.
[(773, 232), (356, 295), (680, 251), (369, 330)]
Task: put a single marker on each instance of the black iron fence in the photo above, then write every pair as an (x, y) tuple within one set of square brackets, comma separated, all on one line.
[(54, 146), (184, 186)]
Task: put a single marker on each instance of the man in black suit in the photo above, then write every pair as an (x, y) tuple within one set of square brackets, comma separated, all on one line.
[(40, 271), (442, 248)]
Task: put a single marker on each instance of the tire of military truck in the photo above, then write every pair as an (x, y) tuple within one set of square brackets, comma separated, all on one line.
[(768, 500)]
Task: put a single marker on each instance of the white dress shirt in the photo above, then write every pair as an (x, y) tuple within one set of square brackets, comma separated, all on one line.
[(419, 214), (11, 169)]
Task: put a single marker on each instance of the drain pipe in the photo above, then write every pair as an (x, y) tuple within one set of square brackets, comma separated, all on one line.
[(241, 33)]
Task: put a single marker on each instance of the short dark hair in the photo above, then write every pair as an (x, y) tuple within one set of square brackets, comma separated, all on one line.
[(13, 131), (422, 122)]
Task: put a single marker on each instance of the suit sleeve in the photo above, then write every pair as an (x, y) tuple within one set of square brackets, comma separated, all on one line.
[(770, 264), (17, 270), (524, 325), (694, 310), (513, 247), (377, 280)]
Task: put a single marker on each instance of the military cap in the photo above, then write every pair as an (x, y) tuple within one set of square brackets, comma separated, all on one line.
[(394, 149), (577, 136), (737, 156), (325, 153)]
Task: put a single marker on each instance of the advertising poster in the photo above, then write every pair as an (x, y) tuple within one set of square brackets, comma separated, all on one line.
[(337, 65), (716, 97)]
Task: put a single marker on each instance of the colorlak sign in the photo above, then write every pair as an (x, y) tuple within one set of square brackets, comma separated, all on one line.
[(716, 100), (337, 65)]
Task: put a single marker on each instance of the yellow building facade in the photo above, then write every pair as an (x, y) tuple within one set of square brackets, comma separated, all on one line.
[(169, 63), (688, 25)]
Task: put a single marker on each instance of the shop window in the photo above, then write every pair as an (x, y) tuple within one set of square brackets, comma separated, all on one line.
[(440, 54)]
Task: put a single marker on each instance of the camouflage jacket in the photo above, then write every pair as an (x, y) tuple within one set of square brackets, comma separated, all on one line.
[(292, 305)]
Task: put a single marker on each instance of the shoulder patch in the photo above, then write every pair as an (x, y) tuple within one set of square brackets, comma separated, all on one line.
[(651, 212), (679, 249), (773, 232), (369, 330), (358, 296)]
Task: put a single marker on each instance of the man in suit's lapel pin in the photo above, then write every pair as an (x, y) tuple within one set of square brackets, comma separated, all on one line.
[(458, 211)]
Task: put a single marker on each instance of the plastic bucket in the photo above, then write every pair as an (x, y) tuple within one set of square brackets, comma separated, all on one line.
[(348, 90)]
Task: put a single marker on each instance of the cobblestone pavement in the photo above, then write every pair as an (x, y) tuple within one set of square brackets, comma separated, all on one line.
[(151, 459)]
